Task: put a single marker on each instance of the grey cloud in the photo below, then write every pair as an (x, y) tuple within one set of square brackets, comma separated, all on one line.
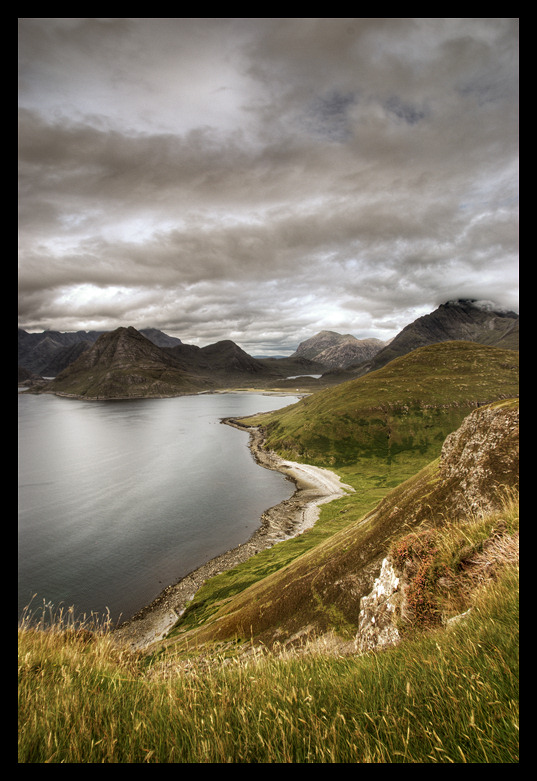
[(265, 177)]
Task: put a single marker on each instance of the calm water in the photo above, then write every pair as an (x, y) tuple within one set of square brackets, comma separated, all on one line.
[(118, 499)]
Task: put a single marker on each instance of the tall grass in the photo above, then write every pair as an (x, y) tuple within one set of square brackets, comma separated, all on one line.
[(444, 562), (443, 697)]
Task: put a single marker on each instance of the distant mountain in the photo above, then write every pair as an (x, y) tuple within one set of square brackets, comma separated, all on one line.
[(224, 361), (59, 359), (318, 343), (49, 352), (160, 338), (350, 351), (337, 351), (228, 357), (125, 364), (227, 364), (462, 320), (36, 351), (28, 378)]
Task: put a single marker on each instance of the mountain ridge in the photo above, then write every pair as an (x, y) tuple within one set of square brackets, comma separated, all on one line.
[(49, 352), (332, 357)]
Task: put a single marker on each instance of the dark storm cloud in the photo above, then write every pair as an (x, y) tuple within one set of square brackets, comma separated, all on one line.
[(261, 179)]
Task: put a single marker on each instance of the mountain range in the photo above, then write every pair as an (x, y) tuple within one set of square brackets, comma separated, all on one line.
[(128, 363), (49, 352)]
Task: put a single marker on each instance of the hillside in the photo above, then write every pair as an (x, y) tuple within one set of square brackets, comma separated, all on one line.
[(271, 660), (377, 431), (443, 697), (320, 592), (408, 406)]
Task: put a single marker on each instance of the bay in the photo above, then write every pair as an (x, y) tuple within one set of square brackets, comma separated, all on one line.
[(118, 499)]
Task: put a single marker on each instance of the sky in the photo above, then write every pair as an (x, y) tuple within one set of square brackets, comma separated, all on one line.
[(263, 179)]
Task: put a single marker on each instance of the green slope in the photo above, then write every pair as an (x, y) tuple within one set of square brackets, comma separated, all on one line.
[(443, 696), (408, 407)]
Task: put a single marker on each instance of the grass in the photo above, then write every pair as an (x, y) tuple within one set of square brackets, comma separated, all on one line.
[(444, 563), (441, 697), (316, 578)]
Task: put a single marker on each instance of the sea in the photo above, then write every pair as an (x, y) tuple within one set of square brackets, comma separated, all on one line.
[(119, 499)]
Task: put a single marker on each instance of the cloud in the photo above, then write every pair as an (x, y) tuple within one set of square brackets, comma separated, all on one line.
[(261, 179)]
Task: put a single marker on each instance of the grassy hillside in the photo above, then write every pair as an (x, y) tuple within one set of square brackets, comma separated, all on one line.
[(318, 588), (447, 696), (457, 375), (408, 407)]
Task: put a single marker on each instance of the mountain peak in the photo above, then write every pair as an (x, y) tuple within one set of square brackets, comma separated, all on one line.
[(482, 305), (336, 351), (226, 355), (123, 364)]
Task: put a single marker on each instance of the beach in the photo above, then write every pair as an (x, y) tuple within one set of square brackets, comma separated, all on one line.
[(314, 486)]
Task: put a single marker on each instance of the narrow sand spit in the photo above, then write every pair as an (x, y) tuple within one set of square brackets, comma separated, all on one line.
[(314, 486)]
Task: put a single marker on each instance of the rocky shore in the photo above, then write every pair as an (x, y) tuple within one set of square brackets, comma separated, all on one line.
[(314, 486)]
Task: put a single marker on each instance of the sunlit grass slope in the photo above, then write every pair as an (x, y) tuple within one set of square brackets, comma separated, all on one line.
[(320, 589)]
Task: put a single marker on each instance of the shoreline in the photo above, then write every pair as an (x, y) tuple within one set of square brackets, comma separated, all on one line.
[(314, 486)]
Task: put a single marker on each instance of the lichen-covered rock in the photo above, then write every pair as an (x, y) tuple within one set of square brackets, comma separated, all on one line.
[(481, 459), (376, 627)]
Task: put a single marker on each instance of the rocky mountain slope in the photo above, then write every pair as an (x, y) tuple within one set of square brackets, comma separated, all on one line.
[(477, 471), (224, 357), (337, 351), (349, 352), (124, 363), (49, 352)]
